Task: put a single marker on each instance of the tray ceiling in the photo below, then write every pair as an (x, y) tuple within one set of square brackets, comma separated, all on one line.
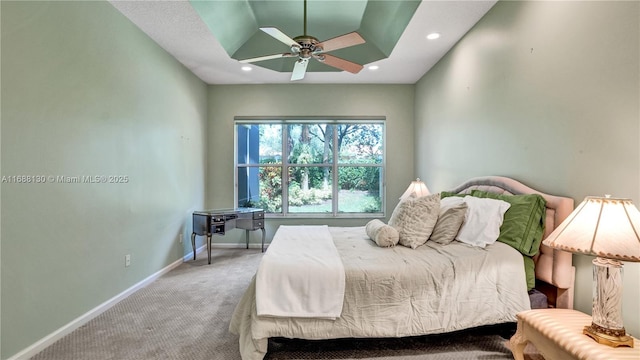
[(235, 24), (205, 36)]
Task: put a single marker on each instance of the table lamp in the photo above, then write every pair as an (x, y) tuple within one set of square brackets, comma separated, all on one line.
[(608, 228), (418, 187)]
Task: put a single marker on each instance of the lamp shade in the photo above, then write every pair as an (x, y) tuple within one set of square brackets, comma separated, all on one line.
[(418, 187), (601, 226)]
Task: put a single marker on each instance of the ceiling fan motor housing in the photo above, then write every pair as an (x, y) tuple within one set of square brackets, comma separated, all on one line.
[(307, 46)]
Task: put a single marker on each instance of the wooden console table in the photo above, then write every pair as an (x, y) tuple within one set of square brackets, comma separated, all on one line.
[(219, 221), (557, 334)]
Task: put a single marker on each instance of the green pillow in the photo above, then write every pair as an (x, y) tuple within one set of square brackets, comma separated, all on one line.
[(523, 224), (445, 194), (529, 271)]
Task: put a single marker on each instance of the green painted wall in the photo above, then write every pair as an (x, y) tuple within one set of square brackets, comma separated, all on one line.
[(545, 92), (84, 92), (226, 101)]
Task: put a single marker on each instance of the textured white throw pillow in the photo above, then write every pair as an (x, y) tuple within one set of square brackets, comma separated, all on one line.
[(382, 234), (414, 218), (482, 223), (449, 222)]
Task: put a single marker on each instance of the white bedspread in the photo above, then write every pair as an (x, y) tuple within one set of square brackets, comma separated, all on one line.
[(301, 275), (398, 291)]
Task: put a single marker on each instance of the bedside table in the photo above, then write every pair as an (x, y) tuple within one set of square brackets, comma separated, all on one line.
[(557, 334)]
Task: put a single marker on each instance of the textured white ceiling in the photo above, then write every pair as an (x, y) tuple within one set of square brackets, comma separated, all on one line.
[(177, 28)]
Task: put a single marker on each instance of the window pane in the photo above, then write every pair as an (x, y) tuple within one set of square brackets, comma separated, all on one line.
[(259, 144), (360, 189), (309, 143), (310, 189), (248, 187), (360, 143), (270, 189)]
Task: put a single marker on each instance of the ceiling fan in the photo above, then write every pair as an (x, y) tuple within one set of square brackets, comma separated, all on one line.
[(305, 47)]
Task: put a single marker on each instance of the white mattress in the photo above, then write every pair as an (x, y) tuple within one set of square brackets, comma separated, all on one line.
[(396, 292)]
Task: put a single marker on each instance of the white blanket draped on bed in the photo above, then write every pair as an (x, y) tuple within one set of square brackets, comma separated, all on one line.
[(301, 275)]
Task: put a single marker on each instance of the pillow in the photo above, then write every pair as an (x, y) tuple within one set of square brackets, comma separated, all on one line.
[(450, 220), (523, 225), (446, 194), (483, 220), (381, 233), (414, 218), (529, 271), (451, 201)]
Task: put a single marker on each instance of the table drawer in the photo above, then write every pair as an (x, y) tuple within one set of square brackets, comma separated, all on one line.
[(250, 224), (217, 219), (217, 228), (258, 224)]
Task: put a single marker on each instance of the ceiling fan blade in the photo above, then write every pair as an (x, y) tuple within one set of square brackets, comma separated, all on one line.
[(342, 41), (279, 35), (299, 69), (266, 57), (341, 64)]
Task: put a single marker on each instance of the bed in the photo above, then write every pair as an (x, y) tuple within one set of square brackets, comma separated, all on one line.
[(434, 288)]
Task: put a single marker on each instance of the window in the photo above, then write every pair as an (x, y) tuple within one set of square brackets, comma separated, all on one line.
[(311, 168)]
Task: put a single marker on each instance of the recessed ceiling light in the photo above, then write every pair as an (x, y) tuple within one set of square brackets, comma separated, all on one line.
[(374, 67), (246, 68), (433, 36)]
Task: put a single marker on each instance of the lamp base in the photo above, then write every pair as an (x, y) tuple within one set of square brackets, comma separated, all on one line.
[(604, 337)]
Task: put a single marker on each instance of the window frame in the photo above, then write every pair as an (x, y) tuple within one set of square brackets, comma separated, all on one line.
[(334, 165)]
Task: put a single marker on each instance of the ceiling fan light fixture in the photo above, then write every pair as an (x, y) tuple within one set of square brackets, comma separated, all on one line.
[(246, 68), (374, 67)]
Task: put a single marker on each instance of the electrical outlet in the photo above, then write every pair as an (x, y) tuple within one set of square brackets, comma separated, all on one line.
[(127, 260)]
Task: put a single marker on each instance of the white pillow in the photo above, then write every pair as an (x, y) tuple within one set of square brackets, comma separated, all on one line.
[(451, 201), (414, 219), (382, 234), (483, 220)]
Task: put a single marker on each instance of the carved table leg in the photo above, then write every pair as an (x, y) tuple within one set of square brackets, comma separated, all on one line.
[(518, 342), (193, 244), (209, 247)]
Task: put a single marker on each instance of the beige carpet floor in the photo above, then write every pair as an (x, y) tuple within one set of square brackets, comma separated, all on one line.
[(185, 315)]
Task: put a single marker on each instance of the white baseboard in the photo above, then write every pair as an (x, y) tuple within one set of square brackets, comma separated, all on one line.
[(189, 256), (237, 246), (203, 248), (85, 318)]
